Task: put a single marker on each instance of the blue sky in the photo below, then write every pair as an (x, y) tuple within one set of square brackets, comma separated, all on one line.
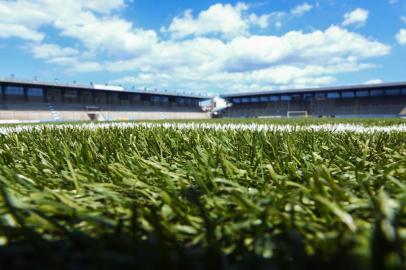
[(205, 46)]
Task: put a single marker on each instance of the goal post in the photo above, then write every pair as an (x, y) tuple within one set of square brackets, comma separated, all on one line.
[(291, 114)]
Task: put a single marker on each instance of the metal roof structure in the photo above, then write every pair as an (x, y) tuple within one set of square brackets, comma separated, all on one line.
[(321, 89), (190, 95), (35, 83)]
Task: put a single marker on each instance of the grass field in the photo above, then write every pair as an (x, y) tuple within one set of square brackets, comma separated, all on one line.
[(223, 194)]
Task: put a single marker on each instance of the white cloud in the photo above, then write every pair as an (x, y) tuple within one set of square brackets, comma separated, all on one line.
[(393, 1), (23, 12), (298, 47), (403, 18), (74, 64), (67, 57), (21, 19), (89, 21), (84, 66), (357, 17), (261, 21), (218, 19), (104, 34), (105, 6), (20, 31), (278, 77), (301, 9), (49, 51), (401, 36), (276, 18), (374, 81), (112, 35), (214, 49), (254, 62), (225, 20)]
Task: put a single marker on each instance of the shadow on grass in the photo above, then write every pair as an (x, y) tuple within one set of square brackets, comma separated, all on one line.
[(123, 252)]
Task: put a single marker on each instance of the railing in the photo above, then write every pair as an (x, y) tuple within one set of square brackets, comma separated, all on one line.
[(47, 83)]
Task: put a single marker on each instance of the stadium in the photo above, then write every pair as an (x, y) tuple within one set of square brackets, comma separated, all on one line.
[(39, 101)]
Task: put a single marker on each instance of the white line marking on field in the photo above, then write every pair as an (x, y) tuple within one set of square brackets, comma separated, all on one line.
[(334, 128)]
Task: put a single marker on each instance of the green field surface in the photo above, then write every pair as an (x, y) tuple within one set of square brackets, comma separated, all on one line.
[(200, 198)]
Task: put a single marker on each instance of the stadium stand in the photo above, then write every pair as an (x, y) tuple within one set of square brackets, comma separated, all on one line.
[(37, 101), (377, 100)]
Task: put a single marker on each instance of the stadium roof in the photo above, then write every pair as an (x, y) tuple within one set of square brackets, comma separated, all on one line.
[(97, 87), (120, 89), (321, 89)]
